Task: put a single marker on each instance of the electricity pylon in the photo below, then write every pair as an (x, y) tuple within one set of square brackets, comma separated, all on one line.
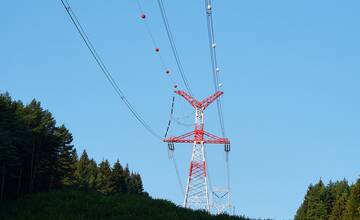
[(197, 193)]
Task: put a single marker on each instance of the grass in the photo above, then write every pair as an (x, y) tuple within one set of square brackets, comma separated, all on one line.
[(73, 204)]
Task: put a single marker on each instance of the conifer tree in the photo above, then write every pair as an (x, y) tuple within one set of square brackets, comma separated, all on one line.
[(338, 211), (334, 191), (81, 172), (353, 203), (37, 155), (67, 160), (104, 181), (44, 148), (8, 155), (118, 177), (73, 181), (92, 174), (313, 207), (137, 184), (127, 178), (8, 160)]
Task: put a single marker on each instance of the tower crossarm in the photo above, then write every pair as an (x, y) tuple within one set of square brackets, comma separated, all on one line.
[(206, 102), (187, 97), (213, 139), (185, 138), (190, 137), (195, 103)]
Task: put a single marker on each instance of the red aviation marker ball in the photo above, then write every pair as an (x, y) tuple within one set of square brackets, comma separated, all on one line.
[(143, 16), (157, 49)]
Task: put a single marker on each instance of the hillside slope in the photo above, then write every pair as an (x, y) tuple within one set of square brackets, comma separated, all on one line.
[(81, 205)]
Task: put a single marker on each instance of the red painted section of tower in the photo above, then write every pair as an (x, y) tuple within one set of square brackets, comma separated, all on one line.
[(195, 103), (197, 167), (204, 165), (191, 169), (198, 135)]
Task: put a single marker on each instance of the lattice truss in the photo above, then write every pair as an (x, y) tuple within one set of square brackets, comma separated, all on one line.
[(197, 194)]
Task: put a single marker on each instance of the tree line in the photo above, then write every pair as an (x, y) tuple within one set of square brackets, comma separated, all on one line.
[(334, 201), (37, 155)]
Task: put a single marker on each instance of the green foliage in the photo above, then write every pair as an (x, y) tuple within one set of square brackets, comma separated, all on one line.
[(36, 155), (118, 177), (313, 207), (353, 203), (104, 182), (90, 205), (67, 156), (338, 212), (135, 184), (336, 201), (334, 191), (92, 174), (82, 170)]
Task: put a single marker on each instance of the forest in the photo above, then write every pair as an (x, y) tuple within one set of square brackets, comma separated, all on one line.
[(37, 155), (334, 201)]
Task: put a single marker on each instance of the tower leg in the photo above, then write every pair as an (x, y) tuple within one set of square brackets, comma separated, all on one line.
[(197, 195)]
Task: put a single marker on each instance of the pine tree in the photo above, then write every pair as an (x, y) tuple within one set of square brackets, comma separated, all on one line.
[(22, 140), (313, 207), (338, 211), (9, 159), (104, 181), (81, 172), (74, 162), (67, 160), (37, 155), (353, 203), (135, 184), (118, 177), (138, 185), (127, 178), (44, 148), (92, 174), (334, 191)]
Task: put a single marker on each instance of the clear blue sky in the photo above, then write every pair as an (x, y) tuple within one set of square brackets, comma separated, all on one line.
[(290, 71)]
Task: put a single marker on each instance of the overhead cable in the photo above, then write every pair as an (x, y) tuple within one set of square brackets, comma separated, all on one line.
[(173, 46), (215, 72), (104, 69), (171, 118), (214, 63)]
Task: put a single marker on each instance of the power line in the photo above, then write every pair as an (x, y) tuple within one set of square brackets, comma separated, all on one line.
[(171, 149), (171, 116), (151, 35), (181, 186), (214, 63), (173, 46), (215, 73), (104, 69), (153, 40)]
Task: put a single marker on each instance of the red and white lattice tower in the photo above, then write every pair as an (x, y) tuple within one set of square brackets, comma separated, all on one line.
[(197, 193)]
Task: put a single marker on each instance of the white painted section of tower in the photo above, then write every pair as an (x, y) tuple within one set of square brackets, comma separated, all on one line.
[(197, 193)]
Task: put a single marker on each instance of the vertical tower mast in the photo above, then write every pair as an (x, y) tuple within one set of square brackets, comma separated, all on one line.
[(197, 193)]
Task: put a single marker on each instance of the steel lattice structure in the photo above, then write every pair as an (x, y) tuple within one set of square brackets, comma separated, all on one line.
[(197, 193)]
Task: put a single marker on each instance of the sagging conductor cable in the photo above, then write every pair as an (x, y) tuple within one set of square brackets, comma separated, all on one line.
[(105, 70), (173, 46)]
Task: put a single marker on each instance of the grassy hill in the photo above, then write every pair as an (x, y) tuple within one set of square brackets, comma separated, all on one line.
[(89, 205)]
